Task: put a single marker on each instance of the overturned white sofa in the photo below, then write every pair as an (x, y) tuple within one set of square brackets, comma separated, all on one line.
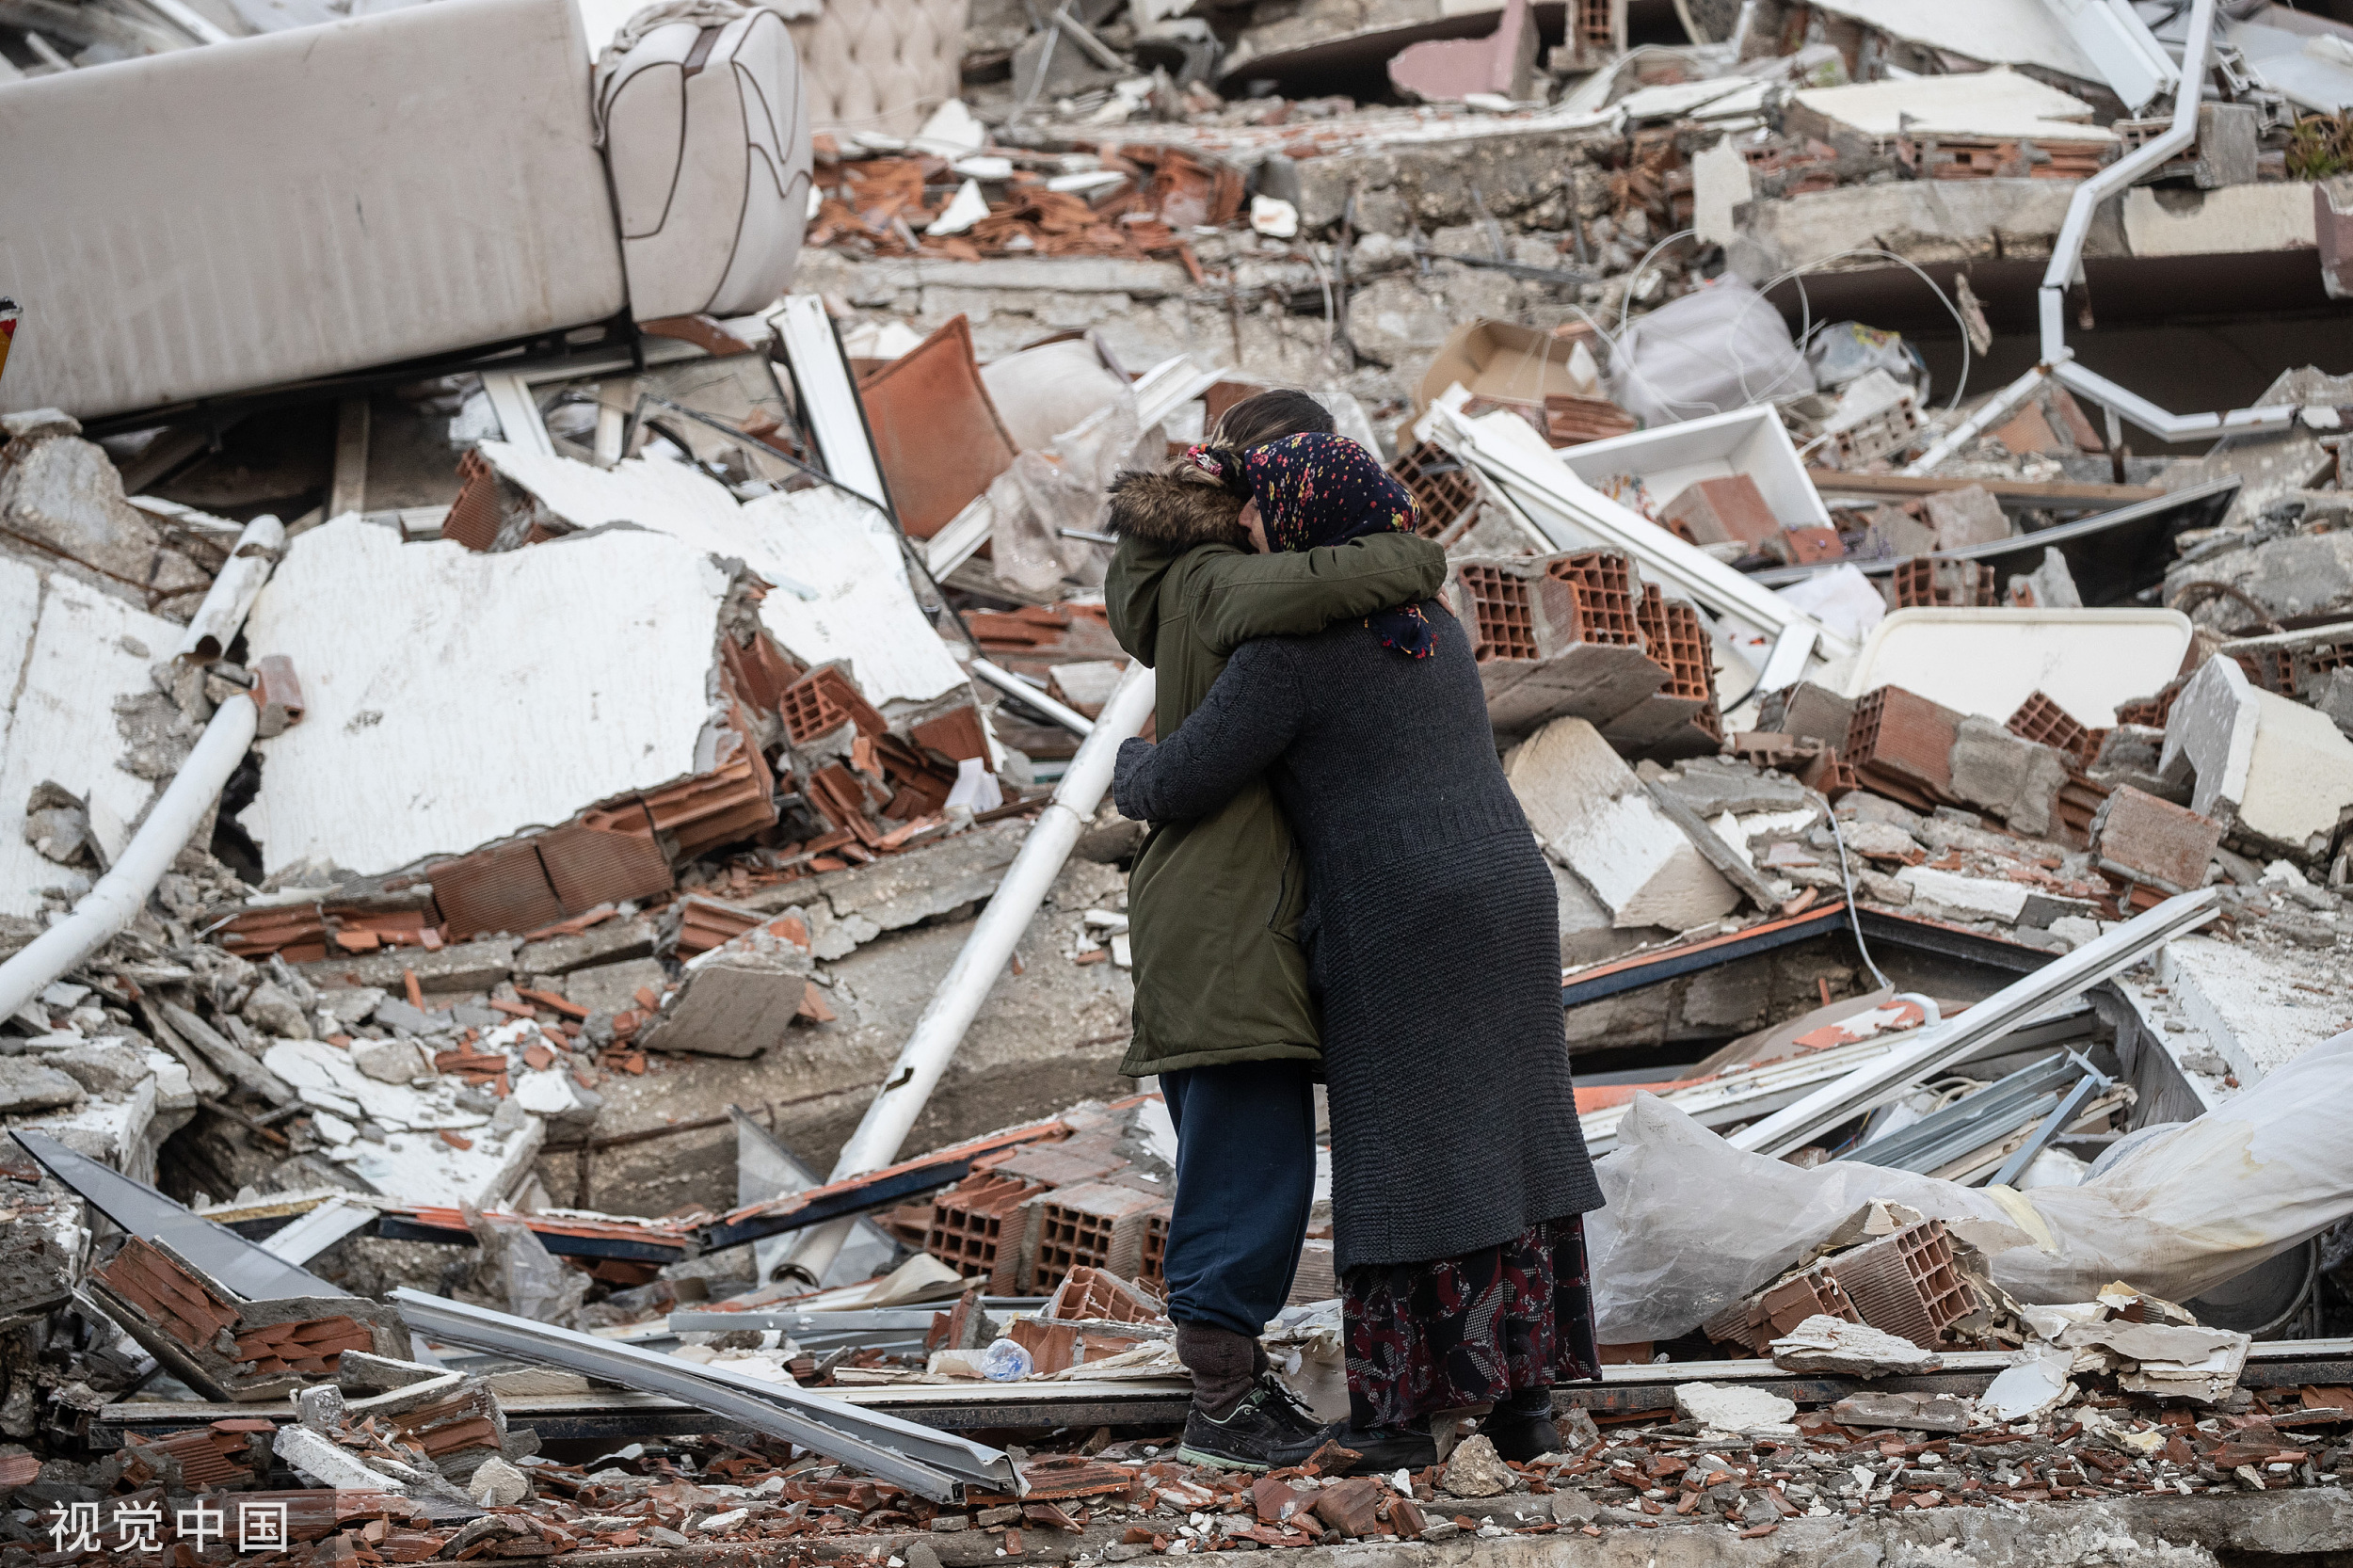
[(395, 189)]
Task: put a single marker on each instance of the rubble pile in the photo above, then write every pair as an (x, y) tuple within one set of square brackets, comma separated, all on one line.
[(563, 959)]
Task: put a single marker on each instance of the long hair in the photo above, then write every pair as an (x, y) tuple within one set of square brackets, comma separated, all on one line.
[(1270, 415)]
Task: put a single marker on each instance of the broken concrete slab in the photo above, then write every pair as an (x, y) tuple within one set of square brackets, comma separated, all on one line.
[(362, 784), (2201, 1363), (102, 1066), (849, 599), (614, 987), (1047, 1038), (1713, 785), (1874, 1408), (27, 1086), (2016, 779), (848, 909), (606, 942), (1965, 516), (2256, 1009), (1447, 70), (1823, 1344), (61, 496), (79, 708), (1951, 896), (463, 967), (1733, 1407), (1929, 221), (1475, 1470), (739, 998), (2274, 773), (1595, 816)]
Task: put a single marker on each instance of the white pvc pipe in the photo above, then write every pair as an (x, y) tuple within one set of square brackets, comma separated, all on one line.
[(941, 1029), (2066, 260), (216, 623), (1967, 430), (1014, 686), (122, 891)]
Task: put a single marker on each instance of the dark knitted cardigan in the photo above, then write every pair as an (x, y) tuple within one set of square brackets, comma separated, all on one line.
[(1433, 931)]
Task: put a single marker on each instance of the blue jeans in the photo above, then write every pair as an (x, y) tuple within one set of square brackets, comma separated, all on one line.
[(1245, 1179)]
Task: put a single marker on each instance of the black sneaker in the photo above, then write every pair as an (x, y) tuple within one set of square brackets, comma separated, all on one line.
[(1268, 1428), (1520, 1435), (1381, 1450)]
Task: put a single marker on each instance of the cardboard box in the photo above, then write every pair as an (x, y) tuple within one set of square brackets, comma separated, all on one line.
[(1510, 363)]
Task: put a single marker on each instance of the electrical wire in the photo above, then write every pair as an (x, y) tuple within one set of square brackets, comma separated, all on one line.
[(1805, 305), (1625, 301), (1846, 875)]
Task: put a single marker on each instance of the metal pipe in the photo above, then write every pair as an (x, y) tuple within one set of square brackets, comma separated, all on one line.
[(1969, 429), (122, 891), (931, 1047), (216, 623), (1870, 1087), (1030, 697), (2067, 261), (925, 1460)]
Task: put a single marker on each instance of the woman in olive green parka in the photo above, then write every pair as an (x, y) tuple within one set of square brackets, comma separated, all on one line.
[(1224, 1012)]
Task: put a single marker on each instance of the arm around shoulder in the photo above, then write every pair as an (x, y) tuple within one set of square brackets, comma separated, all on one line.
[(1246, 722), (1236, 598)]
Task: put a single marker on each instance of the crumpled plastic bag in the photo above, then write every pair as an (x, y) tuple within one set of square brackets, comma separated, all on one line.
[(518, 1273), (1063, 487), (1694, 1225), (1714, 349), (1845, 351)]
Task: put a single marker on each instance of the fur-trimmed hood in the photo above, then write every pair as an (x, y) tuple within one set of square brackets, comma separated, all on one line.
[(1173, 509), (1161, 516)]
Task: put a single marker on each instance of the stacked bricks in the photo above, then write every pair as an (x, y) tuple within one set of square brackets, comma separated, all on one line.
[(1444, 493), (2149, 712), (1097, 1225), (315, 1347), (1730, 510), (1927, 583), (1778, 1309), (1902, 745), (1557, 637), (2043, 721), (1155, 1264), (977, 1227), (1906, 1284), (823, 701), (1680, 718)]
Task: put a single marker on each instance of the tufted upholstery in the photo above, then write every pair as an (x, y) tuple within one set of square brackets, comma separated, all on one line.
[(709, 151), (880, 65)]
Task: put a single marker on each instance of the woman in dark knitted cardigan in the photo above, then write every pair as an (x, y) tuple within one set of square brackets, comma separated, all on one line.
[(1459, 1171)]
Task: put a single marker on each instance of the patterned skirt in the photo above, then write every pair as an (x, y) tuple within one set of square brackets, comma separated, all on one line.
[(1423, 1338)]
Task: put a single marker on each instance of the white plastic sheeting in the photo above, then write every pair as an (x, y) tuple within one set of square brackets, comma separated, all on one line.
[(1722, 349), (1693, 1224)]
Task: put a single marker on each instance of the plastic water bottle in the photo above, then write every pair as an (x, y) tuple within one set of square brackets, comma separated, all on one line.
[(1005, 1362)]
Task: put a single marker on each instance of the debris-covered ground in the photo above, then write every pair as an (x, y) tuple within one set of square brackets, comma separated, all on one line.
[(563, 948)]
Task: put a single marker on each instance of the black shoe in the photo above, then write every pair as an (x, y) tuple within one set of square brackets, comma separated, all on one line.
[(1381, 1451), (1520, 1435), (1267, 1430)]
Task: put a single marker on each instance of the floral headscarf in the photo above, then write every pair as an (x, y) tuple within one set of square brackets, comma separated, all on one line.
[(1314, 490)]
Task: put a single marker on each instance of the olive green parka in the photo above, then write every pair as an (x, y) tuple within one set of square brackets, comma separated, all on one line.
[(1214, 905)]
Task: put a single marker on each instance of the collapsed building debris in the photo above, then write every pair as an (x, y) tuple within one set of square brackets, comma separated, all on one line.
[(496, 801)]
